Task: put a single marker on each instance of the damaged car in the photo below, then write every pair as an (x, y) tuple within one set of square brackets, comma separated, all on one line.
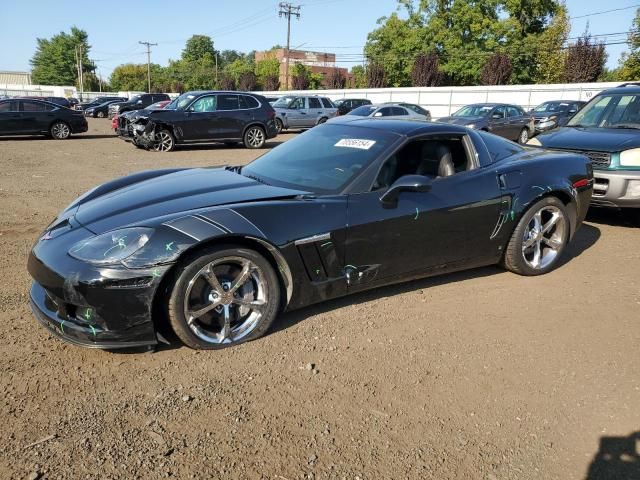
[(205, 117), (216, 254)]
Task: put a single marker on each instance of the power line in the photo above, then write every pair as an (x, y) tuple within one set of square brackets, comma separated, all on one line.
[(287, 10), (605, 11), (148, 45)]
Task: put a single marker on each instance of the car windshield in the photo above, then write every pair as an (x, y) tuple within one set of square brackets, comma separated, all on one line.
[(157, 106), (551, 107), (337, 103), (474, 111), (609, 111), (363, 111), (181, 102), (321, 160), (283, 102)]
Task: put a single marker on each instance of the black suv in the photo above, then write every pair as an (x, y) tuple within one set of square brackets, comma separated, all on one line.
[(99, 101), (345, 105), (203, 117), (136, 103)]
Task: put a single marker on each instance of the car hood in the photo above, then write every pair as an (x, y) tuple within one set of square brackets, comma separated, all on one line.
[(598, 139), (140, 198), (461, 120)]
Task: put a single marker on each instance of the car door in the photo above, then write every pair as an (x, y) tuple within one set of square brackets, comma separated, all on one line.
[(201, 119), (231, 117), (450, 224), (499, 124), (315, 111), (9, 117), (517, 121), (297, 113), (35, 117)]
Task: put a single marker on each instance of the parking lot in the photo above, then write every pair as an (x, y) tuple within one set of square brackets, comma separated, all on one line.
[(482, 374)]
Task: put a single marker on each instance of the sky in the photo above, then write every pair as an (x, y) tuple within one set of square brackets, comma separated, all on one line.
[(338, 26)]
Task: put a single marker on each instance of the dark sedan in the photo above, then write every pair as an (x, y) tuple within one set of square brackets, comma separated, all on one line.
[(99, 101), (32, 117), (99, 111), (508, 121), (218, 253), (204, 117), (556, 113), (345, 105)]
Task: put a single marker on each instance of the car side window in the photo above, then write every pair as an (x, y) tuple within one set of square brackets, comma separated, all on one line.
[(499, 148), (397, 111), (228, 102), (314, 103), (327, 103), (384, 112), (248, 102), (28, 106), (298, 103), (434, 157), (205, 104), (513, 112), (498, 113), (8, 106)]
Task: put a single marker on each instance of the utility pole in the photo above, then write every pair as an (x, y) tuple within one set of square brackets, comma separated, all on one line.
[(148, 45), (79, 66), (287, 10)]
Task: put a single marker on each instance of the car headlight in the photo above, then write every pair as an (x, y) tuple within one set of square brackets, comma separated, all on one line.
[(111, 247), (534, 142), (630, 158), (471, 125)]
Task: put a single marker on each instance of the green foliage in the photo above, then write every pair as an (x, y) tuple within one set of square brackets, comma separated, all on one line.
[(238, 68), (197, 47), (550, 52), (54, 62), (133, 77), (267, 67), (300, 77), (464, 34), (358, 77), (630, 63)]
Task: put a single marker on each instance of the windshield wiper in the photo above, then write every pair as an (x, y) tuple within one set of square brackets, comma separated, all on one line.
[(625, 125), (578, 125)]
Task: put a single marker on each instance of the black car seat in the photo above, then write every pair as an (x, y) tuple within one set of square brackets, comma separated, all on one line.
[(436, 160)]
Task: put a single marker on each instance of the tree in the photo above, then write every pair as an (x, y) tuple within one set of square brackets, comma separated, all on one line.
[(268, 68), (133, 77), (497, 70), (425, 72), (551, 54), (585, 60), (358, 77), (630, 63), (247, 81), (237, 68), (336, 79), (54, 62), (271, 83), (227, 82), (301, 77), (376, 76), (197, 47)]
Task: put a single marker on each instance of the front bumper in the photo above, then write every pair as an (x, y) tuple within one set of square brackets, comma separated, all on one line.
[(540, 127), (616, 188)]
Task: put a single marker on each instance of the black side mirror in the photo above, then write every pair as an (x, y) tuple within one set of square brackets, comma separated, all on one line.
[(406, 183)]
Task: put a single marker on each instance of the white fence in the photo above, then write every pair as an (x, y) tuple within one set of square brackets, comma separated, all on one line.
[(443, 101)]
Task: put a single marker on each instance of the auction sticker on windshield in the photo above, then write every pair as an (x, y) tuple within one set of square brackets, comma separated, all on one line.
[(360, 143)]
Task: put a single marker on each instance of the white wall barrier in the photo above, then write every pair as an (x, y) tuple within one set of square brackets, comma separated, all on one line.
[(443, 101)]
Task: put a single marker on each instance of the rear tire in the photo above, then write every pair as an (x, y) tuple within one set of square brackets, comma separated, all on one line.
[(100, 115), (523, 138), (322, 120), (279, 126), (223, 296), (539, 239), (254, 137), (60, 130)]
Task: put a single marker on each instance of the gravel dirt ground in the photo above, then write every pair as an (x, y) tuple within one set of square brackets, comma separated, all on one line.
[(477, 375)]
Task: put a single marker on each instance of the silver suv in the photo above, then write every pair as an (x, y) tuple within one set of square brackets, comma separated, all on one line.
[(302, 111)]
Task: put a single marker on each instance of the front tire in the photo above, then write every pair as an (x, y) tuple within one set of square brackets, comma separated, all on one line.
[(254, 137), (222, 297), (539, 239), (165, 142), (60, 131), (100, 115), (279, 126)]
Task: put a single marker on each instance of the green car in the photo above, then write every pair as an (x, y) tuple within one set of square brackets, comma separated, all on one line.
[(607, 130)]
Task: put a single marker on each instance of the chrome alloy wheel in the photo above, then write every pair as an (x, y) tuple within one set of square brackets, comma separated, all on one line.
[(60, 130), (524, 136), (225, 300), (544, 236), (255, 137), (164, 142)]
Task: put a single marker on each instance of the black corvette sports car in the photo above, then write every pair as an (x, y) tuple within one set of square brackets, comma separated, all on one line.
[(219, 252)]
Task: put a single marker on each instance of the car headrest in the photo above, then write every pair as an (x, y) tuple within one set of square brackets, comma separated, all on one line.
[(436, 160)]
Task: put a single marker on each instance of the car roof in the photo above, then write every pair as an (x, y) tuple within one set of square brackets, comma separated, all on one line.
[(630, 87), (399, 126)]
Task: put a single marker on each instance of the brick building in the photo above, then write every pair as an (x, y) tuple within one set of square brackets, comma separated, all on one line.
[(319, 62)]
